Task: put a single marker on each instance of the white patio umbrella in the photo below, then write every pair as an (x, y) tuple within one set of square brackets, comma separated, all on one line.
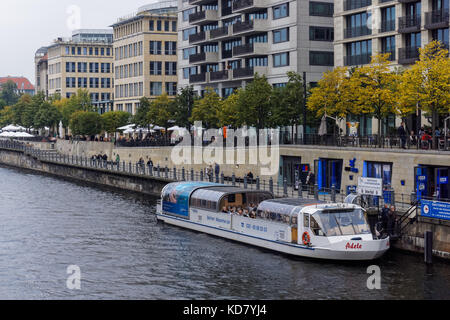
[(22, 135), (7, 134), (175, 128), (11, 128), (129, 130), (130, 126)]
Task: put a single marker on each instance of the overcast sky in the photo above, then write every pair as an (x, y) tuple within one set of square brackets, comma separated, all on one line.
[(27, 25)]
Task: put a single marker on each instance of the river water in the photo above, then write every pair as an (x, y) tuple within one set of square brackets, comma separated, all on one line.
[(48, 224)]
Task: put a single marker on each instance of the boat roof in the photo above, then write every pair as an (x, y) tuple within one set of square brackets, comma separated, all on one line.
[(286, 205), (216, 193)]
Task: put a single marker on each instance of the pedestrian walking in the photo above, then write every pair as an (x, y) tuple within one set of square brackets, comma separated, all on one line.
[(402, 134)]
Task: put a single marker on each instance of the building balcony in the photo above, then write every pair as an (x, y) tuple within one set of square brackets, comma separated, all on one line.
[(356, 4), (409, 24), (359, 59), (218, 76), (357, 32), (436, 19), (251, 49), (203, 17), (197, 78), (204, 57), (387, 26), (408, 55), (248, 72), (250, 27), (249, 5), (197, 37), (201, 2), (219, 33)]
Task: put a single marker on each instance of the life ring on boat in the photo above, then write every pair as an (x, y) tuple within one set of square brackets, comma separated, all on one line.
[(306, 238)]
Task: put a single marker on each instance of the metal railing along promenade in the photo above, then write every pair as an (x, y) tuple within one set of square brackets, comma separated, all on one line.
[(280, 189)]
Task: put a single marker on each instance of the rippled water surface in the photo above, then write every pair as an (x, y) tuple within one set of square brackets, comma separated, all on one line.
[(47, 224)]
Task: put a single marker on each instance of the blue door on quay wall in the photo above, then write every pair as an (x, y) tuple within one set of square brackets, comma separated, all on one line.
[(329, 173)]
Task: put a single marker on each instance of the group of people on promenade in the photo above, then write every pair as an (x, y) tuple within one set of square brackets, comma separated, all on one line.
[(424, 138), (99, 158)]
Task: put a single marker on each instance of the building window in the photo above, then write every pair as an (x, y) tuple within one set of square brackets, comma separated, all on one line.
[(281, 11), (321, 34), (441, 35), (358, 52), (357, 25), (281, 35), (281, 59), (188, 52), (152, 25), (170, 48), (155, 68), (388, 46), (71, 82), (388, 19), (171, 68), (321, 58), (321, 9), (174, 26), (166, 25), (155, 47), (186, 14), (279, 85), (79, 51), (96, 51), (171, 88), (155, 88), (188, 32), (257, 62), (159, 25)]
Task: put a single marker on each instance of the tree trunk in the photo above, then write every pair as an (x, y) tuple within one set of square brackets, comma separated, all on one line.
[(379, 132), (433, 128)]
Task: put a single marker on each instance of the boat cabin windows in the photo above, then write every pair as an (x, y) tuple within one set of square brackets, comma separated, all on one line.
[(342, 222), (203, 204), (310, 222)]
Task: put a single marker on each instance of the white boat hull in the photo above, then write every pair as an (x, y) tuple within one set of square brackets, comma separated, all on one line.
[(345, 249)]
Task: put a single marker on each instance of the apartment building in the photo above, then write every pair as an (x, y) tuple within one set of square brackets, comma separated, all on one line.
[(223, 43), (367, 27), (84, 61), (145, 55), (41, 69)]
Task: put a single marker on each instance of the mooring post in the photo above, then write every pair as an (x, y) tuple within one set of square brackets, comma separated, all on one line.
[(245, 182), (333, 193), (428, 247), (300, 189), (316, 191), (258, 183), (233, 179), (271, 184), (192, 174)]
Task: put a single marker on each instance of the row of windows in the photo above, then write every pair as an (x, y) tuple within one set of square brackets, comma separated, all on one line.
[(93, 67), (170, 47), (129, 70), (130, 90), (156, 25), (156, 68), (72, 82), (156, 88), (54, 68), (95, 97), (129, 51), (54, 83), (91, 51)]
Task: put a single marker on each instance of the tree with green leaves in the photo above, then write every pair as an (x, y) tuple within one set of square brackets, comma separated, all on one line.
[(254, 103), (229, 113), (2, 103), (184, 104), (140, 119), (47, 115), (6, 116), (85, 123), (207, 109), (20, 109), (9, 93), (161, 111), (114, 119)]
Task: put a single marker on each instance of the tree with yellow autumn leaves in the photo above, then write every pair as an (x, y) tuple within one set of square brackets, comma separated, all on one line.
[(379, 90)]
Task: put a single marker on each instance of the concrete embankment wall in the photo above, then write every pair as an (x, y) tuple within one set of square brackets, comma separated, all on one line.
[(403, 161), (125, 181)]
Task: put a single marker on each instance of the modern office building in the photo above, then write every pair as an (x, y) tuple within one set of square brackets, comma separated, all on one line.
[(41, 70), (223, 43), (84, 61), (366, 27), (145, 55)]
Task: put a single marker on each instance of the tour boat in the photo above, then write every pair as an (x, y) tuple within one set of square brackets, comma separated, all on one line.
[(294, 226)]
